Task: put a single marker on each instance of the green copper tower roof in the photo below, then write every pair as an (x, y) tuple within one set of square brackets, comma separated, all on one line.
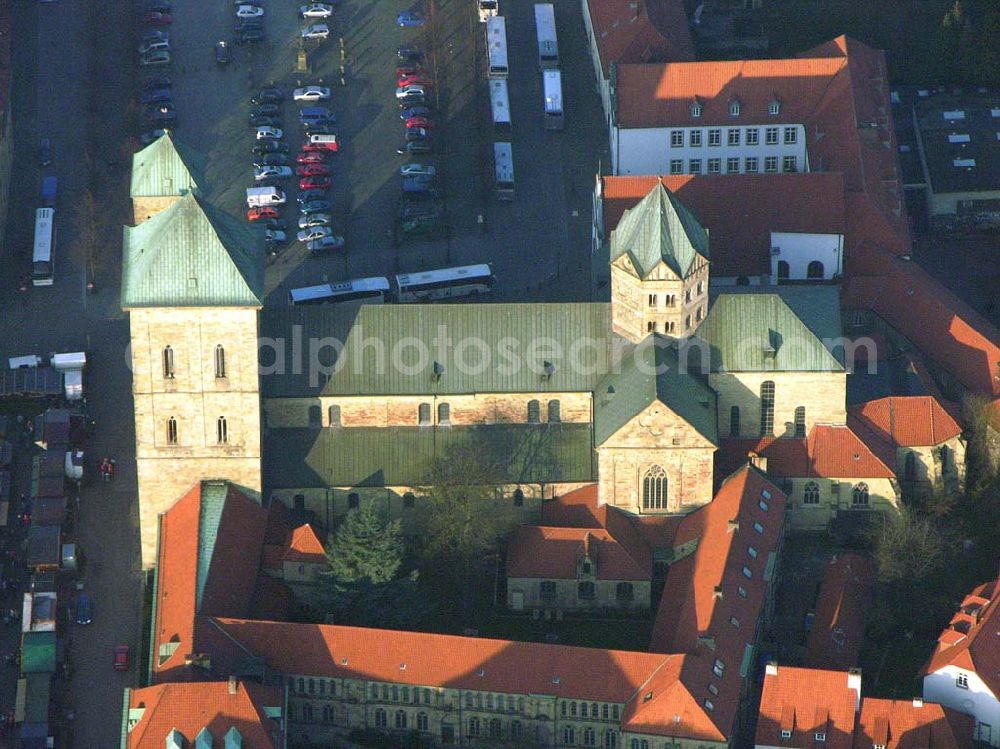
[(166, 167), (659, 228), (191, 255)]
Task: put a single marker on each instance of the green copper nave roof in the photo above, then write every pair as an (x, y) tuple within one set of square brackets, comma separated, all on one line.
[(660, 228), (191, 255), (166, 167)]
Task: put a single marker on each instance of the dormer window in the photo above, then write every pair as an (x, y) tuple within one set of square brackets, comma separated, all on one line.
[(821, 736), (734, 108), (774, 108), (785, 733), (878, 746), (696, 109)]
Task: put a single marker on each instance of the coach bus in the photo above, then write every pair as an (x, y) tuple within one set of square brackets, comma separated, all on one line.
[(548, 45), (496, 46), (365, 290), (552, 89), (45, 237), (499, 105), (503, 162), (441, 284)]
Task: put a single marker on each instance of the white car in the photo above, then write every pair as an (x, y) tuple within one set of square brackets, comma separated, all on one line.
[(316, 10), (156, 57), (417, 170), (315, 219), (413, 89), (313, 233), (311, 93), (249, 11), (316, 31), (266, 172), (269, 133)]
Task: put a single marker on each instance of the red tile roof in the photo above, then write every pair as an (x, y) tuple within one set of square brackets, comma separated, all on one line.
[(908, 421), (190, 707), (806, 701), (665, 706), (576, 509), (979, 649), (911, 724), (702, 591), (304, 546), (552, 553), (627, 31), (838, 629), (740, 229)]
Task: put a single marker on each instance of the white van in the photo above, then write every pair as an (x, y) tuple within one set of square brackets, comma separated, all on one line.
[(261, 196), (327, 141)]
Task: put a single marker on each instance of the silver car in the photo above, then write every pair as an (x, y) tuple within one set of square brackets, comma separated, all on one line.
[(313, 233), (316, 31), (315, 219), (316, 10), (335, 242)]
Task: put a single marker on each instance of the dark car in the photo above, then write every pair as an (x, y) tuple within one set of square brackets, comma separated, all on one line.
[(161, 114), (315, 206), (222, 55), (325, 127), (158, 6), (421, 211), (424, 145), (249, 36), (268, 96), (269, 146), (417, 133), (409, 53), (412, 101), (84, 609), (411, 112), (45, 152), (248, 23), (274, 224), (306, 196), (268, 110), (272, 159), (261, 121), (120, 658), (156, 95)]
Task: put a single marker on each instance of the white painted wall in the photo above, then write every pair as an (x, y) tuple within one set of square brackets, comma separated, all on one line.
[(649, 151), (977, 700), (800, 249)]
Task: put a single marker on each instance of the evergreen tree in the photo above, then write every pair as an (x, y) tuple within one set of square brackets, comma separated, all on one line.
[(367, 548)]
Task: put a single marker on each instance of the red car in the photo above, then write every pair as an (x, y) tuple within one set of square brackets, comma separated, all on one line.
[(262, 212), (311, 157), (312, 170), (310, 147), (420, 122), (155, 18), (315, 183), (120, 662), (404, 70), (414, 80)]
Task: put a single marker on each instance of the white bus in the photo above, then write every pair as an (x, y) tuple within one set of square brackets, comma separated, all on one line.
[(548, 46), (496, 45), (503, 161), (41, 260), (487, 9), (365, 290), (552, 88), (499, 105), (440, 284)]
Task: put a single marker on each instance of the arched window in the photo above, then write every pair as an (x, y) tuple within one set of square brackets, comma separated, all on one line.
[(518, 498), (585, 592), (623, 592), (221, 430), (945, 459), (516, 730), (810, 494), (380, 718), (783, 270), (220, 362), (493, 729), (444, 413), (814, 269), (859, 497), (610, 739), (701, 288), (569, 736), (475, 727), (424, 414), (168, 363), (534, 412), (651, 326), (489, 701), (800, 421), (171, 431), (734, 421), (767, 408), (698, 313), (589, 736), (654, 489), (554, 417), (910, 467), (333, 415), (687, 322), (315, 417), (421, 721), (400, 719)]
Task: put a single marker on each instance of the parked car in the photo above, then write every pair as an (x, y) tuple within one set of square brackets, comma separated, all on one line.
[(84, 609), (269, 133), (316, 10), (419, 183), (405, 92), (273, 236), (155, 58), (313, 233), (311, 93), (314, 114), (421, 211), (315, 183), (408, 68), (326, 243), (268, 96), (409, 112), (329, 145), (416, 169), (414, 79), (157, 18), (424, 145), (315, 206), (152, 84), (270, 172), (222, 52), (119, 661), (156, 95), (412, 101), (311, 157), (428, 195), (249, 11), (162, 113), (245, 24), (249, 36), (410, 18), (420, 225), (262, 212), (313, 170), (154, 35), (309, 195), (153, 45), (326, 127), (261, 121), (274, 224), (417, 133), (316, 31), (158, 6), (151, 135), (315, 219), (409, 53), (269, 146), (272, 159), (420, 122)]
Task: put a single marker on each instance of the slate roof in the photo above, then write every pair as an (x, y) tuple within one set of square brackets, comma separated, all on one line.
[(806, 701), (552, 553), (911, 724), (650, 371), (648, 31), (660, 228), (192, 707), (400, 456), (166, 167), (191, 255), (800, 324), (392, 349), (913, 421)]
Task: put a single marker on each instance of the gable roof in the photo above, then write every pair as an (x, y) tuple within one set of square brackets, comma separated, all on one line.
[(805, 701), (838, 628), (191, 255), (660, 229), (740, 228), (908, 421), (650, 371), (793, 328), (972, 639), (552, 553), (626, 31), (911, 724), (192, 707), (304, 546), (166, 167)]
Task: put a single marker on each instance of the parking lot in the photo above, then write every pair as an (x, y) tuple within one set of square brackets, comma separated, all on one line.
[(538, 245)]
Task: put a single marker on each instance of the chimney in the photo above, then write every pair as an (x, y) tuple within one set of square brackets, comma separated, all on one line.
[(771, 669), (718, 592), (917, 702), (232, 685), (757, 460), (854, 682), (734, 525)]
